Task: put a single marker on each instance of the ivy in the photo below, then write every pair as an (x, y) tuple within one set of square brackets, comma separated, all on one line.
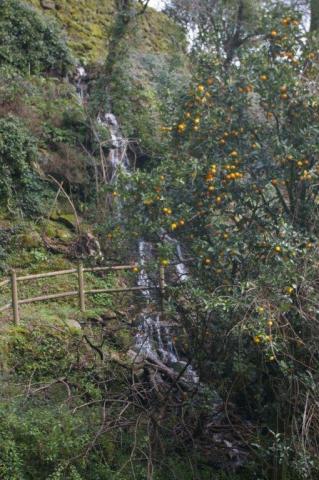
[(21, 188), (31, 43)]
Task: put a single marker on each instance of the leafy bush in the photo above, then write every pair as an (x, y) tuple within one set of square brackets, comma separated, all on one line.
[(239, 191), (20, 186), (30, 42)]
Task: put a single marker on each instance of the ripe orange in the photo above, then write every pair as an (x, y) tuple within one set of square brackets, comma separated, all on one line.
[(165, 262), (181, 127), (285, 22)]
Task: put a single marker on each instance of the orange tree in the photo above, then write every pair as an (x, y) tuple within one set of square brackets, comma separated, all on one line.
[(239, 191)]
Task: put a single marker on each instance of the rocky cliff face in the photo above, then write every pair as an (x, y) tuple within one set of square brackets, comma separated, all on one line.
[(88, 24)]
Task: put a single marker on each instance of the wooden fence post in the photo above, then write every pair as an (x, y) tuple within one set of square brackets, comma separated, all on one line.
[(162, 285), (15, 300), (81, 287)]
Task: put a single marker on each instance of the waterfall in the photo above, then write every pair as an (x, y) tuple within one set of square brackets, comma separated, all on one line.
[(80, 79), (117, 158), (154, 338)]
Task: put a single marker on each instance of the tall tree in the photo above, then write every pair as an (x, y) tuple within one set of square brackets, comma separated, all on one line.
[(219, 26)]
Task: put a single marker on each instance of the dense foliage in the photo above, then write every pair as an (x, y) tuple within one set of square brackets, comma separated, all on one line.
[(21, 189), (230, 174), (29, 42), (239, 191)]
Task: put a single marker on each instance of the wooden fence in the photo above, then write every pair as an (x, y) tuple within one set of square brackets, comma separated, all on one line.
[(81, 293)]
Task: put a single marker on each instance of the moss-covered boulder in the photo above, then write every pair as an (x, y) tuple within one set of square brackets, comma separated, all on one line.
[(54, 230), (30, 240), (67, 219)]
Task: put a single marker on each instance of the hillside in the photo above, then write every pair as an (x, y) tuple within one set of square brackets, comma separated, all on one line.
[(88, 25), (159, 240)]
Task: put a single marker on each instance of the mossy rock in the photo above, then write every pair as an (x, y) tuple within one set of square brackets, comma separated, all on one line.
[(85, 22), (67, 219), (30, 240), (88, 24), (73, 325), (52, 230)]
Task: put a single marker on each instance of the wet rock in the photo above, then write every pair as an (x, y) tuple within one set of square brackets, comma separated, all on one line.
[(73, 325)]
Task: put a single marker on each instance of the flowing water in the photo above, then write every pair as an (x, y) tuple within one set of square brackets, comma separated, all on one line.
[(81, 83), (117, 158), (154, 338)]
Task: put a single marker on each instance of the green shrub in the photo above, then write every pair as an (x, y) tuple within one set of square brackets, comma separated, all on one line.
[(30, 42), (20, 187)]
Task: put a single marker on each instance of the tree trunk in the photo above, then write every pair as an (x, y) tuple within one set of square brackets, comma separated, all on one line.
[(116, 49)]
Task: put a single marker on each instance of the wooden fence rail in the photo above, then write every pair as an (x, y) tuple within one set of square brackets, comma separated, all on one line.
[(80, 292)]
